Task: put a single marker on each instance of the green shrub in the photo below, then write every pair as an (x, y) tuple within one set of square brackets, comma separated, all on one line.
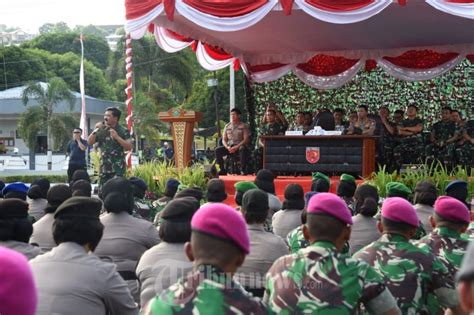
[(31, 178)]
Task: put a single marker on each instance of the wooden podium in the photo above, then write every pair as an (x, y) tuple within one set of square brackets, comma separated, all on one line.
[(182, 127)]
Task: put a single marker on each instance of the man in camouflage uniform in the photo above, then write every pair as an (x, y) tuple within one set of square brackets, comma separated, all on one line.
[(411, 147), (270, 128), (443, 137), (410, 272), (386, 141), (112, 139), (451, 218), (321, 280), (465, 146), (219, 244)]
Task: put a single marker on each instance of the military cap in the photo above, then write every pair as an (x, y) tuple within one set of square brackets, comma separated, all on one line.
[(255, 200), (451, 209), (81, 187), (56, 196), (244, 186), (319, 175), (223, 222), (80, 174), (216, 190), (264, 181), (79, 207), (180, 210), (397, 189), (309, 195), (15, 187), (327, 203), (347, 178), (138, 182), (171, 187), (182, 187), (399, 210), (466, 272), (13, 208), (195, 192), (456, 184)]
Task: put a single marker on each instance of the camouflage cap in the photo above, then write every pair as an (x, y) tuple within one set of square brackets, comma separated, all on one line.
[(331, 204), (222, 221), (399, 210), (452, 209)]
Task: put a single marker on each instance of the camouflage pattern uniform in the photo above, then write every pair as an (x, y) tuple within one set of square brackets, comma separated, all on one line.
[(465, 152), (470, 231), (411, 148), (320, 280), (143, 208), (206, 291), (112, 156), (440, 150), (385, 146), (274, 129), (410, 272), (295, 240), (449, 246)]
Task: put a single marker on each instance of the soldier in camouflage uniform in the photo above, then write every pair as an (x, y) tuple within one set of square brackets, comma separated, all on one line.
[(295, 238), (270, 128), (410, 272), (112, 139), (386, 141), (470, 231), (219, 244), (411, 147), (321, 280), (465, 146), (443, 137), (451, 218)]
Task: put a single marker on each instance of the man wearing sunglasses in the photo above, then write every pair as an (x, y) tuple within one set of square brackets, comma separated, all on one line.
[(76, 150)]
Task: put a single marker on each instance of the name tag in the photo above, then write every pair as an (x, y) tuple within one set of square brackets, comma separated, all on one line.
[(293, 133)]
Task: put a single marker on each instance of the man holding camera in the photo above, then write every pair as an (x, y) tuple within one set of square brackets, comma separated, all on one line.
[(112, 139)]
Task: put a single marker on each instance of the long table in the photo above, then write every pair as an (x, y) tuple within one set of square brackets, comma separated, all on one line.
[(331, 155)]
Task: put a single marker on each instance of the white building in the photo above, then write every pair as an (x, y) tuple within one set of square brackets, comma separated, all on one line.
[(14, 38)]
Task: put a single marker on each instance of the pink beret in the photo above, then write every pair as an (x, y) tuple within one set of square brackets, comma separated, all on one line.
[(331, 204), (17, 287), (222, 221), (452, 209), (400, 210)]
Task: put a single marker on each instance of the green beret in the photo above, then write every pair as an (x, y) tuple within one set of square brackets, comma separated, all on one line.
[(13, 208), (244, 186), (79, 207), (319, 175), (397, 189), (347, 178), (182, 187)]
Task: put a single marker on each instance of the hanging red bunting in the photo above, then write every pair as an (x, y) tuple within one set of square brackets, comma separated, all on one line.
[(226, 8), (260, 68), (339, 5), (421, 59), (323, 65), (287, 6), (370, 65), (169, 9), (217, 53), (137, 8)]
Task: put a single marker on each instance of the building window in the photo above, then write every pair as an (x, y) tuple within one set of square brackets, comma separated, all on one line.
[(8, 142)]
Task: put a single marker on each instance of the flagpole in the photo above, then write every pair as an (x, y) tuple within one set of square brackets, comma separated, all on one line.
[(83, 121), (128, 91)]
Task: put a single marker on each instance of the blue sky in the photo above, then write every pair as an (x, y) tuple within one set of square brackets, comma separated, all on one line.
[(31, 14)]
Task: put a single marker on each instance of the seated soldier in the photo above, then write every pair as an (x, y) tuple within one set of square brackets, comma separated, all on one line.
[(219, 244), (385, 143), (298, 125), (410, 272), (279, 117), (308, 122), (363, 125), (234, 141), (443, 137), (270, 128), (319, 279), (341, 125), (464, 150), (411, 147)]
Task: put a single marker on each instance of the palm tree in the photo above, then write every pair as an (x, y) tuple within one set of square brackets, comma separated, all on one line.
[(47, 97)]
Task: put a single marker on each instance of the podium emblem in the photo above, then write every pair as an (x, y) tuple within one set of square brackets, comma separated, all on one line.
[(312, 154)]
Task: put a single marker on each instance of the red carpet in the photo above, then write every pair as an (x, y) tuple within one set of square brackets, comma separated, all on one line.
[(280, 184)]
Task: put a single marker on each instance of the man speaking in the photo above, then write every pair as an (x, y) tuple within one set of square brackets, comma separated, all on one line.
[(112, 139)]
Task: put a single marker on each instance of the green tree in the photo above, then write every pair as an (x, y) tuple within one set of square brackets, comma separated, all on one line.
[(48, 97), (96, 49), (91, 30), (48, 28)]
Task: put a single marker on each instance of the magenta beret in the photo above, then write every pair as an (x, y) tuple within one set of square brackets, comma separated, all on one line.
[(400, 210), (331, 204), (17, 287), (452, 209), (222, 221)]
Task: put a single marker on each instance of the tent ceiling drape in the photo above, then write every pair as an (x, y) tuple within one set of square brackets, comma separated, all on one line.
[(324, 42)]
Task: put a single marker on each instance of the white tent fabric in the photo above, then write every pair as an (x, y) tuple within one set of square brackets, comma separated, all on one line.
[(168, 43), (208, 63), (465, 10)]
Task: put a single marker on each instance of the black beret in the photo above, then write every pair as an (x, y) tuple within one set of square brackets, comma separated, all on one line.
[(57, 195), (195, 192), (117, 195), (255, 200), (79, 207), (216, 190), (82, 186), (80, 174), (180, 210), (13, 208), (264, 181)]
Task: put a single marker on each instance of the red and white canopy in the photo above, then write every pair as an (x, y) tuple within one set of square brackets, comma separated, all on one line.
[(324, 42)]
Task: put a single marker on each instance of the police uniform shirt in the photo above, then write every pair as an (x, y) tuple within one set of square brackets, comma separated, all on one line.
[(160, 267), (424, 213), (284, 221), (28, 250), (71, 281), (36, 207), (364, 232), (43, 232), (265, 248), (274, 203)]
